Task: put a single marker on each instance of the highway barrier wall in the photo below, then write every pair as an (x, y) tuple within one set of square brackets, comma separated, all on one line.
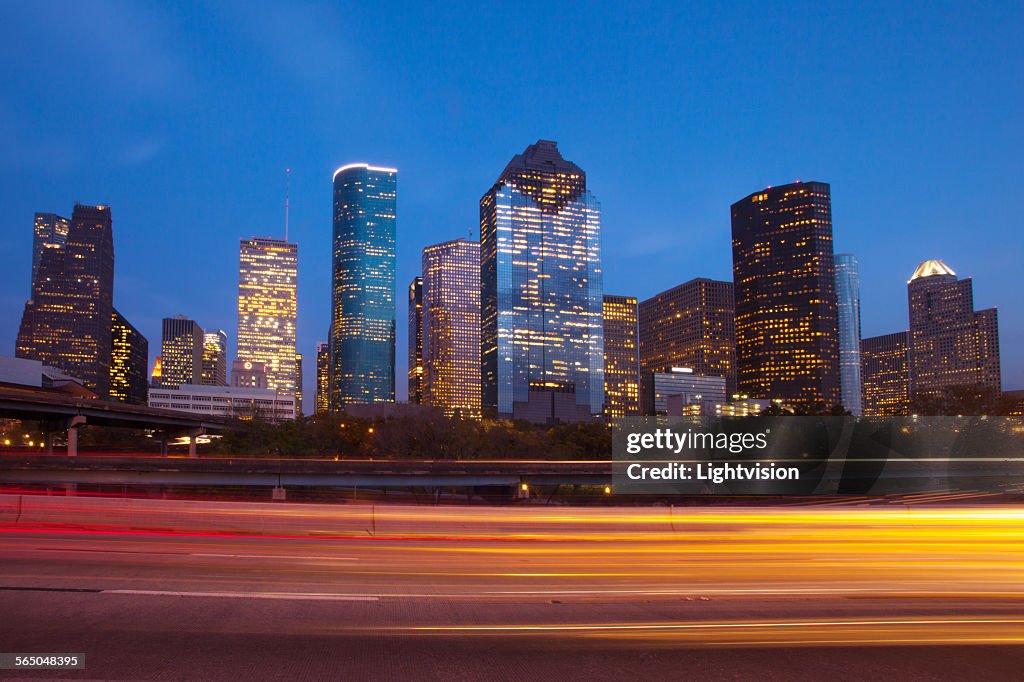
[(346, 520)]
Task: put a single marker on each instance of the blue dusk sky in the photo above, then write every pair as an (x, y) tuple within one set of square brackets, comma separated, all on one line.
[(183, 117)]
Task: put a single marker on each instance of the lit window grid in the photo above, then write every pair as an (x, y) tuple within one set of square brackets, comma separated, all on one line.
[(363, 286), (268, 308), (621, 357), (451, 327), (545, 318)]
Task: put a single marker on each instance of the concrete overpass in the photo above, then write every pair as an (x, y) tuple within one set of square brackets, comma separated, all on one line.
[(58, 412)]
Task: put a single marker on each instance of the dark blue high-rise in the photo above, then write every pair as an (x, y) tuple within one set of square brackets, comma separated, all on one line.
[(363, 286)]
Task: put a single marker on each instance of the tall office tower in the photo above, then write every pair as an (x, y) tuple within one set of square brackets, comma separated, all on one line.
[(416, 339), (215, 358), (66, 323), (951, 344), (886, 375), (323, 378), (690, 325), (181, 352), (787, 338), (298, 384), (51, 232), (451, 328), (129, 360), (848, 313), (621, 357), (541, 283), (267, 308), (363, 286)]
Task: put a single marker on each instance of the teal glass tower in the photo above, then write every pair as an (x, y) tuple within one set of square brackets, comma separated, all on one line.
[(541, 283), (363, 286)]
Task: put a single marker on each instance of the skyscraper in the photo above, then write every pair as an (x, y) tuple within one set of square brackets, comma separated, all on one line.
[(416, 339), (181, 352), (67, 322), (363, 286), (541, 282), (323, 378), (621, 357), (951, 344), (886, 375), (298, 384), (129, 361), (215, 358), (690, 325), (787, 340), (267, 308), (50, 232), (451, 327), (848, 313)]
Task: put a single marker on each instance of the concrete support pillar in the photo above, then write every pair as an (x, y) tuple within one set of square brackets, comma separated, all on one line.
[(193, 434), (73, 425)]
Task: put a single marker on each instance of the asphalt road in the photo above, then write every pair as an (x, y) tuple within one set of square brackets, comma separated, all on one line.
[(752, 594)]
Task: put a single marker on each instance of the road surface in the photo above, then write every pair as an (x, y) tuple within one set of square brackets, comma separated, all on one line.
[(811, 593)]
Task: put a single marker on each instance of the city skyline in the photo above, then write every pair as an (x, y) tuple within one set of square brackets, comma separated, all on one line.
[(886, 152)]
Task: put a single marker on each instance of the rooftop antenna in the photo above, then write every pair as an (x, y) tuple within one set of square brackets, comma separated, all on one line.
[(287, 191)]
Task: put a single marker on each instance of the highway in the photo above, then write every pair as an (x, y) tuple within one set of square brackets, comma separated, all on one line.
[(550, 593)]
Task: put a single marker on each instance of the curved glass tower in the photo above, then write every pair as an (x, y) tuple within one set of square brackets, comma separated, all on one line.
[(363, 286), (541, 283), (848, 309)]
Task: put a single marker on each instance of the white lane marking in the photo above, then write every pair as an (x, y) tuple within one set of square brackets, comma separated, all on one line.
[(308, 596), (272, 556)]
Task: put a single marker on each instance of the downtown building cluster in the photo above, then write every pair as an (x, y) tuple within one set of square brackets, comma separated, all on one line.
[(516, 324)]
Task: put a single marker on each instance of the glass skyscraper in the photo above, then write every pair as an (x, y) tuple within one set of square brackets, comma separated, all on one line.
[(323, 381), (268, 308), (451, 327), (951, 344), (621, 357), (787, 340), (363, 286), (415, 344), (215, 358), (885, 374), (50, 232), (690, 325), (541, 283), (129, 359), (181, 352), (848, 309), (67, 322)]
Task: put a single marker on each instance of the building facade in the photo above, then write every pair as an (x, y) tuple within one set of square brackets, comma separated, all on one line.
[(885, 373), (451, 328), (621, 357), (215, 358), (682, 391), (363, 286), (415, 344), (248, 374), (691, 325), (181, 352), (848, 313), (323, 378), (67, 322), (787, 339), (50, 231), (951, 344), (541, 282), (129, 362), (225, 401), (268, 308)]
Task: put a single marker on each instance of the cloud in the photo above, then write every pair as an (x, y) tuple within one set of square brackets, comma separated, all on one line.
[(140, 152)]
